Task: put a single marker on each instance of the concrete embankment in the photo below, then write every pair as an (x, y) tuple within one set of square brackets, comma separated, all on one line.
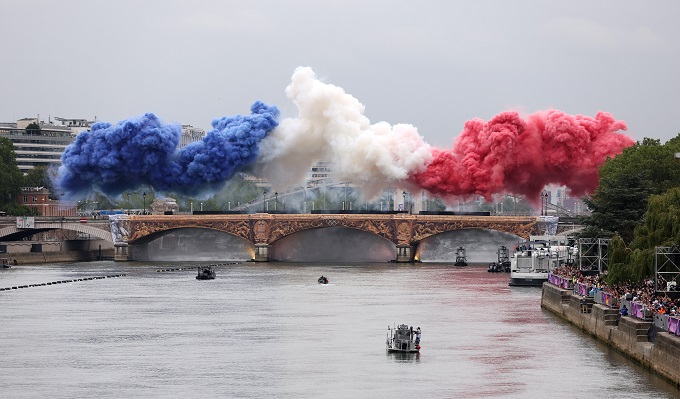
[(30, 258), (627, 334)]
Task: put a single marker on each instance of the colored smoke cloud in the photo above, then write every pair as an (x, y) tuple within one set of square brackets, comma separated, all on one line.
[(331, 126), (143, 151), (507, 154)]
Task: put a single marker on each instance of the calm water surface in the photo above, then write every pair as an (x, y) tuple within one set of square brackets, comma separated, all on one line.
[(269, 330)]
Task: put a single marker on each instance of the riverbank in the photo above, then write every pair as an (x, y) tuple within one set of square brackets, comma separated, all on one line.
[(31, 258), (627, 334)]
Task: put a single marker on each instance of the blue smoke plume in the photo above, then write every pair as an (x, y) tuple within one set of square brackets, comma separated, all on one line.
[(113, 159)]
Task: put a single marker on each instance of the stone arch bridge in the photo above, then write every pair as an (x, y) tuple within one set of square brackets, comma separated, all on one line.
[(263, 229)]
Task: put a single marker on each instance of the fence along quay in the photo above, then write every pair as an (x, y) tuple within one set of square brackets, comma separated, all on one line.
[(650, 339)]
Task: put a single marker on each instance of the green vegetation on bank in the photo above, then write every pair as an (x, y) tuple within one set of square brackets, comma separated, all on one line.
[(637, 204)]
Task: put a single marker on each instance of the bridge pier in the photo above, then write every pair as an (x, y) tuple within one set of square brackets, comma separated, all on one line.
[(405, 253), (261, 253), (122, 253)]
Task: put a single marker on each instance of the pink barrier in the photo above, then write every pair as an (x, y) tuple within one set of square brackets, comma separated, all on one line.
[(582, 289), (636, 310), (673, 325)]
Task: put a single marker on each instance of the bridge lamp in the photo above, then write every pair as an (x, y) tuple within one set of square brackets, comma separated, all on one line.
[(276, 199), (264, 201), (201, 206), (144, 203), (404, 194), (128, 195)]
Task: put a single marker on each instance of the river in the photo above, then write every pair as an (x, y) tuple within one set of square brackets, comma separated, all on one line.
[(271, 331)]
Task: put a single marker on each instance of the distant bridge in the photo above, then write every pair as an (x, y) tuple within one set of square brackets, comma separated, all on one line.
[(406, 231), (263, 229)]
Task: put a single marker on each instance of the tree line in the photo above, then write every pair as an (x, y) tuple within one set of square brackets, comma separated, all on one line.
[(637, 205)]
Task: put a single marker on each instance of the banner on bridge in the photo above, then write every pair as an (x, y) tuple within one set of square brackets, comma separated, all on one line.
[(25, 222)]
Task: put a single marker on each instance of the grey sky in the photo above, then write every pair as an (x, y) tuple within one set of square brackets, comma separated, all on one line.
[(432, 64)]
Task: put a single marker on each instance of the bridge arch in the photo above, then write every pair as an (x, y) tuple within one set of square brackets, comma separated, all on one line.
[(145, 239), (38, 227), (332, 244)]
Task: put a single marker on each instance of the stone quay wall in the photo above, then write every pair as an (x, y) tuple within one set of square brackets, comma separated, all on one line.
[(626, 334), (33, 258)]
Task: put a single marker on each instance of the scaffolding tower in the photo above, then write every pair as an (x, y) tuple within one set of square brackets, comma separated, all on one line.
[(666, 269), (593, 254)]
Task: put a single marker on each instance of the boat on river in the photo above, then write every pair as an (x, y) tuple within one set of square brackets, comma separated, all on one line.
[(205, 273), (4, 263), (323, 280), (461, 259), (403, 339), (533, 260), (503, 264)]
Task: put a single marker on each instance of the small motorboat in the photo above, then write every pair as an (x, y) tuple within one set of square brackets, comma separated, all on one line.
[(205, 273), (503, 264), (4, 263), (461, 259), (403, 339), (323, 280)]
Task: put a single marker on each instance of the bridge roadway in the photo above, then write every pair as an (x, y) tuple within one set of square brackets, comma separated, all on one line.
[(263, 229)]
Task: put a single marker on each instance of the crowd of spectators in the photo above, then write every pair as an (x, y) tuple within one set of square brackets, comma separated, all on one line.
[(644, 292)]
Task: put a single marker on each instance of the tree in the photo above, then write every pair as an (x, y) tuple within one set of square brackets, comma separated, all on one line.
[(660, 226), (10, 175), (617, 206), (626, 181), (33, 128)]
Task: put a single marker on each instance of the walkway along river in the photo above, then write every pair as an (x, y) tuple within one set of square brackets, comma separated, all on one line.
[(271, 331)]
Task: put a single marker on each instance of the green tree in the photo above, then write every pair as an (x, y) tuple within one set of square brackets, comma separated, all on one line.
[(11, 177), (626, 182), (33, 128), (660, 226)]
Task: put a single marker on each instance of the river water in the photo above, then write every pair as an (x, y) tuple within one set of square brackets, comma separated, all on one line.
[(270, 331)]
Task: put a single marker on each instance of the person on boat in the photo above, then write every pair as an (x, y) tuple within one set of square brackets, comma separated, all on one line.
[(418, 336)]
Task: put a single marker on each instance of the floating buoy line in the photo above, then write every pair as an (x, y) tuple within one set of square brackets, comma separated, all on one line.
[(16, 287), (196, 267)]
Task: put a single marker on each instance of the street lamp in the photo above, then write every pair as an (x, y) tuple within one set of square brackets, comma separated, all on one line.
[(191, 207), (276, 199), (404, 194), (544, 203), (128, 195), (264, 201), (201, 206), (144, 210)]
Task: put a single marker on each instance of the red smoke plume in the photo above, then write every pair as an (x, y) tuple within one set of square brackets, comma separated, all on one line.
[(511, 155)]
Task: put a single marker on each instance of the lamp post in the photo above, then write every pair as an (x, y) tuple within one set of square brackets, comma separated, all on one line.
[(144, 203), (404, 195), (229, 205), (201, 206), (128, 195), (191, 207), (346, 185), (264, 201), (544, 203), (276, 199)]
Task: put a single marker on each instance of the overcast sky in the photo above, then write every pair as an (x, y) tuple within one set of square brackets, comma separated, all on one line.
[(432, 64)]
